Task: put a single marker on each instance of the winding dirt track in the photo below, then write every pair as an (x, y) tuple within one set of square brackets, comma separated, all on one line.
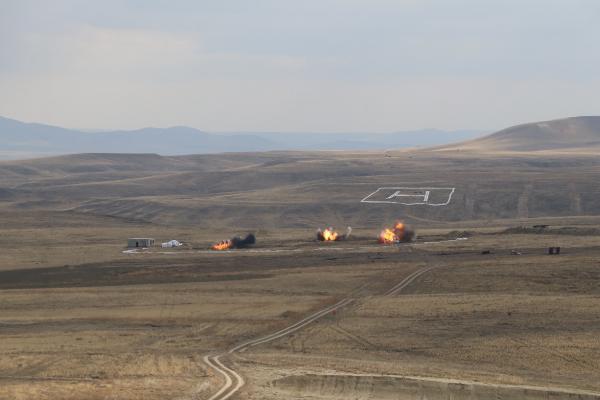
[(408, 280), (234, 381)]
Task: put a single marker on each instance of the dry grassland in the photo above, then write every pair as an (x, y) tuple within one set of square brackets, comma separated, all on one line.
[(497, 318)]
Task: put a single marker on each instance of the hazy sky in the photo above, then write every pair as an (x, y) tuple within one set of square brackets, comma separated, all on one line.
[(303, 65)]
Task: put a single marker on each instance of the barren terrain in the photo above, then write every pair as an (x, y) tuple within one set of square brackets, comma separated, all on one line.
[(474, 306)]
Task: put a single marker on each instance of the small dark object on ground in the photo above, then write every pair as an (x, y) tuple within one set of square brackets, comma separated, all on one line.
[(239, 243), (486, 252), (515, 253), (553, 250)]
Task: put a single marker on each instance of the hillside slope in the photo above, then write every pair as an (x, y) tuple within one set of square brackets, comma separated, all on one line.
[(293, 189), (566, 134)]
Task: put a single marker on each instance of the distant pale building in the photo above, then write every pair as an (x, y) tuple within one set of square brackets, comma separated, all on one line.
[(140, 242)]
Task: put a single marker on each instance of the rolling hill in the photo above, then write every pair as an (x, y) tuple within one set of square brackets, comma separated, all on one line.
[(510, 174), (566, 134), (299, 189)]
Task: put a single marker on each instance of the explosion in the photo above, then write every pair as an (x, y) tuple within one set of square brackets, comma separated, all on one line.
[(400, 233), (330, 235), (222, 245), (235, 243), (387, 236), (327, 235)]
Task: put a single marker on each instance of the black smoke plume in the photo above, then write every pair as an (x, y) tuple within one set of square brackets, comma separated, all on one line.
[(238, 243)]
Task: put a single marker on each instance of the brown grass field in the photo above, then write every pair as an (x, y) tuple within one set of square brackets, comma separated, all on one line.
[(80, 319)]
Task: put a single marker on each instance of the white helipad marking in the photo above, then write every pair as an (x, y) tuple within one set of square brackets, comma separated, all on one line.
[(399, 193), (411, 196)]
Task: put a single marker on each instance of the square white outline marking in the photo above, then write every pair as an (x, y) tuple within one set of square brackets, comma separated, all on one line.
[(365, 200)]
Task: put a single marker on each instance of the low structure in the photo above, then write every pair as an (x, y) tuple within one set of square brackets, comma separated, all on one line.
[(140, 242)]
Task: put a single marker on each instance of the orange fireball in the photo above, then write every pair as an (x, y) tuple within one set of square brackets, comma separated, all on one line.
[(331, 235), (328, 235), (222, 245), (388, 236)]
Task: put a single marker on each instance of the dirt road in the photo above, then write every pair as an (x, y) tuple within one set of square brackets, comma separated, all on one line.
[(234, 381)]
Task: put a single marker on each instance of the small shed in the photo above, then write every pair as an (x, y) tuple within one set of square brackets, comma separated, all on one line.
[(140, 242)]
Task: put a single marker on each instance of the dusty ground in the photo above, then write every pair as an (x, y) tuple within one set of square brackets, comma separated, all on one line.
[(89, 322), (81, 319), (302, 189)]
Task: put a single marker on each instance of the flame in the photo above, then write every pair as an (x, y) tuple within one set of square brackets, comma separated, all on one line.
[(222, 245), (236, 242), (329, 235), (388, 236)]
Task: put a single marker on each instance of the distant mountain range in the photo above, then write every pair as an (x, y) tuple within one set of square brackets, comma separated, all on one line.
[(29, 140)]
